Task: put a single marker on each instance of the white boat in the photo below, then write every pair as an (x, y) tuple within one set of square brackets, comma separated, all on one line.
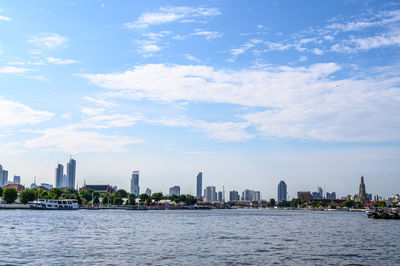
[(53, 204)]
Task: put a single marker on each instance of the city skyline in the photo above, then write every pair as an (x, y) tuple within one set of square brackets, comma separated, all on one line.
[(226, 88)]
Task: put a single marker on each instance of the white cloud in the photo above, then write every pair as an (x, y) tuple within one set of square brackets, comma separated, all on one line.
[(17, 114), (49, 41), (192, 58), (151, 48), (101, 102), (317, 51), (4, 18), (246, 46), (60, 61), (72, 140), (14, 70), (302, 102), (171, 14)]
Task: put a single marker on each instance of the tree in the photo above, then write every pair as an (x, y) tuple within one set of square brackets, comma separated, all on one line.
[(1, 191), (120, 193), (88, 194), (157, 197), (117, 201), (348, 203), (10, 195), (55, 193), (131, 199), (174, 198), (143, 197), (27, 195), (105, 200), (272, 202), (96, 200), (295, 202), (190, 200)]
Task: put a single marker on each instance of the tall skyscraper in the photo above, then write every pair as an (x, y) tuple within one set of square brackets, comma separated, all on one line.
[(219, 196), (175, 190), (59, 176), (135, 183), (210, 194), (256, 196), (247, 194), (3, 176), (148, 191), (282, 191), (234, 195), (71, 170), (199, 184), (17, 180)]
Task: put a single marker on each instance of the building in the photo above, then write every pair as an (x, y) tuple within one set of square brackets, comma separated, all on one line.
[(101, 188), (219, 196), (282, 191), (256, 196), (47, 186), (175, 190), (247, 194), (304, 195), (18, 187), (210, 194), (135, 189), (3, 176), (148, 191), (59, 178), (17, 180), (234, 195), (199, 185), (71, 171), (362, 196), (319, 194), (331, 195)]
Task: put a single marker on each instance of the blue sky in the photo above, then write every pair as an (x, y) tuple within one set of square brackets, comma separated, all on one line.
[(247, 92)]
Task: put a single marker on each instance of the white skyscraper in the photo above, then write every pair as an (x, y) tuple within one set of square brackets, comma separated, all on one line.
[(175, 190), (71, 170), (17, 180), (135, 189), (3, 176), (59, 176), (210, 194)]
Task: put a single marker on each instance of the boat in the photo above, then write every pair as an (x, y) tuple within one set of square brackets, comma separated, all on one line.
[(53, 204)]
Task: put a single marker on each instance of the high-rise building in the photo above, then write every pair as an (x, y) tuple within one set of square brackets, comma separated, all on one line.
[(199, 185), (64, 181), (247, 194), (148, 191), (3, 176), (135, 189), (17, 180), (282, 191), (59, 176), (256, 196), (71, 171), (210, 194), (331, 195), (219, 196), (234, 195), (175, 190)]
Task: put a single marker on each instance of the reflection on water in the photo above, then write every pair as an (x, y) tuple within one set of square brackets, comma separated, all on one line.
[(196, 237)]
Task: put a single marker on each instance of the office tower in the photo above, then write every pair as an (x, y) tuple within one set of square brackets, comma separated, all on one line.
[(247, 194), (256, 196), (148, 191), (210, 194), (175, 190), (64, 181), (71, 170), (59, 176), (135, 189), (199, 185), (219, 196), (320, 192), (282, 191), (234, 195), (17, 180), (3, 176), (331, 195)]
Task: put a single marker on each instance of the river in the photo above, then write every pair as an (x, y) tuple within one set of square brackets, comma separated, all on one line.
[(207, 237)]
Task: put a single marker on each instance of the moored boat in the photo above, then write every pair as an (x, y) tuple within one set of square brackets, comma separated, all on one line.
[(53, 204)]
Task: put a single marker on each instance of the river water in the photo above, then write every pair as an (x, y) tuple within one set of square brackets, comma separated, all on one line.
[(206, 237)]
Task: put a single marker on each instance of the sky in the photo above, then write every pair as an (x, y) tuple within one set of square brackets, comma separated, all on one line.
[(248, 92)]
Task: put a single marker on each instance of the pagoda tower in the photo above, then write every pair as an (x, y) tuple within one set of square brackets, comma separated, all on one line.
[(362, 194)]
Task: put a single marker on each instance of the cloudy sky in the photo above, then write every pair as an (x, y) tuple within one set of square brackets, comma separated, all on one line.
[(249, 93)]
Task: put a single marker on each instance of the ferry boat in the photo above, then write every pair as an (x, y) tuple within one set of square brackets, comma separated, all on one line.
[(53, 204)]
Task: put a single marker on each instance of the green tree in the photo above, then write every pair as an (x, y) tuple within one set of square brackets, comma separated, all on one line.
[(27, 195), (157, 197), (96, 200), (88, 194), (174, 198), (105, 200), (143, 197), (55, 193), (295, 202), (120, 193), (1, 191), (117, 201), (382, 204), (10, 195), (131, 199), (190, 200), (348, 203), (272, 202)]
